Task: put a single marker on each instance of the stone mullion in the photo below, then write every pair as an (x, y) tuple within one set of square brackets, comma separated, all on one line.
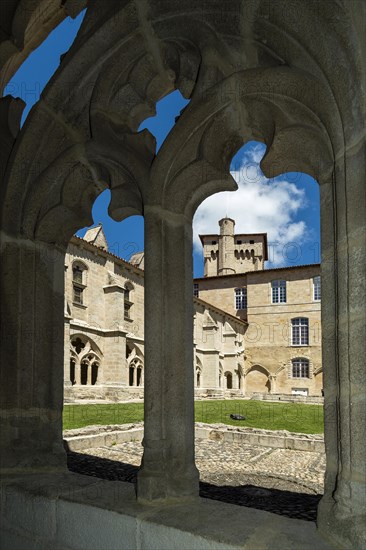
[(77, 372), (168, 469), (89, 373)]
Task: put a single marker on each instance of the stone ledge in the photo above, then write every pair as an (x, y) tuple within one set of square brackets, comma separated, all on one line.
[(75, 512), (97, 436)]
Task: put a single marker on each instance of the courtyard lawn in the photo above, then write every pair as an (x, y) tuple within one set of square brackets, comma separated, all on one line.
[(294, 417)]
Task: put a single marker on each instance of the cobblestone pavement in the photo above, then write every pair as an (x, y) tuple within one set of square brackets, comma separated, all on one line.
[(277, 480)]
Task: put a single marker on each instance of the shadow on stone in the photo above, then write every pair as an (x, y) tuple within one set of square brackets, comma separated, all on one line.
[(277, 501)]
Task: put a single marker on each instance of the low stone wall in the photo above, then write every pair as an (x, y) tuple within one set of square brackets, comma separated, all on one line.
[(311, 399), (280, 439), (99, 436), (112, 394)]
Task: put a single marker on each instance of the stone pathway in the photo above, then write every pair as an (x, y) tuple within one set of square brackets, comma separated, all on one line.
[(277, 480)]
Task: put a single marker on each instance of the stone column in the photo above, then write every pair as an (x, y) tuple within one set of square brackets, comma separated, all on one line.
[(342, 510), (31, 353), (89, 374), (77, 372), (168, 470)]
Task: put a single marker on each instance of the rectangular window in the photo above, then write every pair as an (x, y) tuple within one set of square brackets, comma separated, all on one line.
[(300, 331), (127, 310), (77, 294), (196, 290), (278, 292), (241, 298), (317, 288), (300, 368)]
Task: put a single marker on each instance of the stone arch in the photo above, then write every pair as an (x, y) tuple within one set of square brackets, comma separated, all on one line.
[(135, 366), (198, 373), (318, 380), (228, 380), (257, 380), (85, 360)]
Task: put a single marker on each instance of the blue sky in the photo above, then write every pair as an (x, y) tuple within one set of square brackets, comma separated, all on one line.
[(286, 207)]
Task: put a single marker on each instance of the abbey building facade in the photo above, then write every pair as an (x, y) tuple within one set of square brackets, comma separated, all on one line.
[(256, 331)]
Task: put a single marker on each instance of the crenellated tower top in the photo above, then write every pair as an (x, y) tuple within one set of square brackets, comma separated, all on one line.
[(228, 253)]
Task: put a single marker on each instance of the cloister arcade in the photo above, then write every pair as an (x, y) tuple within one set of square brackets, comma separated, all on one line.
[(253, 70)]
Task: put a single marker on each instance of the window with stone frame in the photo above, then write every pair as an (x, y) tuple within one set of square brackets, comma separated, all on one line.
[(128, 303), (300, 368), (196, 290), (317, 289), (279, 292), (241, 298), (78, 283), (300, 331)]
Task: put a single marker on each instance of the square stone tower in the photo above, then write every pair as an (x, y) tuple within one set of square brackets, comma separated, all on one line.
[(227, 253)]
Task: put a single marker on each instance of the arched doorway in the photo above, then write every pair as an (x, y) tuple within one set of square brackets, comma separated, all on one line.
[(228, 380)]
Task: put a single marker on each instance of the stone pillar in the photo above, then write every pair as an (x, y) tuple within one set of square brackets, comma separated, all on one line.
[(168, 470), (31, 353), (342, 510), (272, 380), (67, 355)]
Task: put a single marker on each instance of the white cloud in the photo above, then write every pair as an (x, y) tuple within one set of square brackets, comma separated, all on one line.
[(258, 206)]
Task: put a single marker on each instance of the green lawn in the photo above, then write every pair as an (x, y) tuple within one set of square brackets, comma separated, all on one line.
[(293, 417)]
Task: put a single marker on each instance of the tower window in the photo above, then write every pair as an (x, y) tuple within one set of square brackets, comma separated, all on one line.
[(196, 290), (278, 292), (241, 298)]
